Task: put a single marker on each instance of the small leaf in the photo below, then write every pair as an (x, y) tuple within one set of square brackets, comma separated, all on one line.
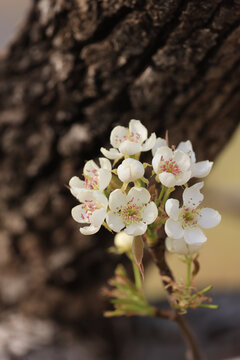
[(137, 249)]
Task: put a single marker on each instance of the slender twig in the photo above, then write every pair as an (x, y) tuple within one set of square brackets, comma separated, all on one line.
[(157, 250)]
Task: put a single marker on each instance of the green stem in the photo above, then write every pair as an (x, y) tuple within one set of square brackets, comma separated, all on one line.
[(160, 195), (209, 306), (136, 272), (166, 196)]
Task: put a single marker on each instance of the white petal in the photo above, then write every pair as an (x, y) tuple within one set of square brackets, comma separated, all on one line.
[(136, 127), (176, 245), (172, 208), (194, 235), (116, 200), (186, 146), (130, 148), (165, 152), (111, 154), (159, 142), (136, 229), (124, 173), (201, 168), (76, 182), (150, 213), (173, 229), (99, 198), (183, 177), (105, 177), (167, 179), (118, 135), (89, 167), (181, 247), (79, 214), (105, 164), (149, 143), (76, 185), (89, 230), (209, 218), (192, 196), (156, 162), (138, 196), (182, 160), (114, 221), (95, 196), (98, 217)]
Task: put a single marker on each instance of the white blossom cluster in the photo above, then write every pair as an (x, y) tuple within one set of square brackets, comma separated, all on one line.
[(128, 208)]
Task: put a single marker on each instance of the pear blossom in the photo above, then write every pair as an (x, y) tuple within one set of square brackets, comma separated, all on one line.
[(129, 141), (171, 166), (123, 242), (187, 221), (92, 210), (130, 170), (199, 169), (131, 212), (96, 178), (180, 246)]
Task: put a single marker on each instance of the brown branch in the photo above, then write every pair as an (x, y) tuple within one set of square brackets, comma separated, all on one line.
[(157, 252)]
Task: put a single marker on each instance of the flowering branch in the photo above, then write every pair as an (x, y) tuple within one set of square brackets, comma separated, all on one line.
[(122, 201)]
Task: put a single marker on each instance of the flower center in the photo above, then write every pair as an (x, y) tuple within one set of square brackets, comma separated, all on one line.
[(131, 213), (134, 137), (169, 166), (92, 180), (89, 207), (189, 217)]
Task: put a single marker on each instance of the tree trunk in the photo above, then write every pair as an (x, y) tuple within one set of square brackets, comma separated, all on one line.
[(77, 68)]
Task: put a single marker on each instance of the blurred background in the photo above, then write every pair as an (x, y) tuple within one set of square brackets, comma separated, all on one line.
[(219, 259)]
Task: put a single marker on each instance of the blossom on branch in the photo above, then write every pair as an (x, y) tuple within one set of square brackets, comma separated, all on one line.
[(187, 221), (172, 167), (92, 210), (129, 141), (131, 212), (96, 178), (199, 169)]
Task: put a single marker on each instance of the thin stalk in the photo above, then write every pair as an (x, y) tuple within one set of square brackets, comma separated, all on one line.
[(193, 352), (160, 195)]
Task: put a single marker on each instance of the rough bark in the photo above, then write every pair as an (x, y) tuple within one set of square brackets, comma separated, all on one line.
[(77, 68)]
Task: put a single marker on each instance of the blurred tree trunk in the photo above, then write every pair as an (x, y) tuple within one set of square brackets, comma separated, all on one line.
[(78, 68)]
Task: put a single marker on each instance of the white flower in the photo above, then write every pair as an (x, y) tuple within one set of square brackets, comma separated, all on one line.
[(129, 141), (130, 170), (92, 210), (180, 246), (159, 143), (199, 169), (123, 242), (171, 166), (96, 178), (186, 221), (133, 211)]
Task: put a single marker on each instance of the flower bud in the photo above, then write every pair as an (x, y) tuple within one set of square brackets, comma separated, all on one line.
[(123, 242), (130, 170)]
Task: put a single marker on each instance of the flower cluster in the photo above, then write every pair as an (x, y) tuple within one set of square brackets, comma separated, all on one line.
[(122, 197)]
